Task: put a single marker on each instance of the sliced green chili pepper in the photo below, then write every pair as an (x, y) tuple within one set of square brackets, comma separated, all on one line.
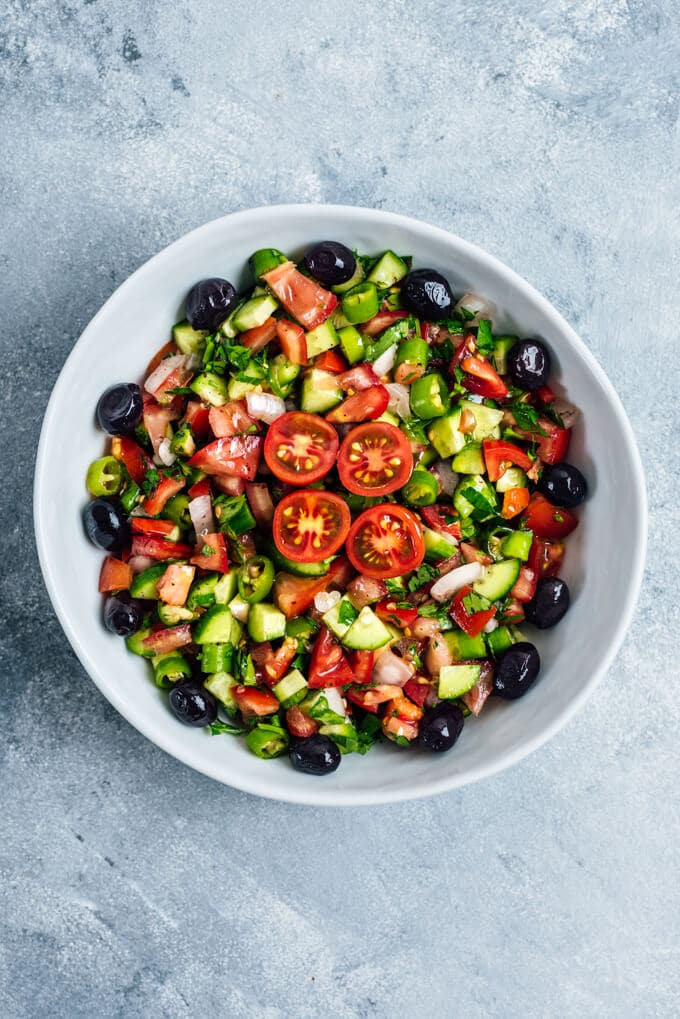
[(265, 260), (361, 303), (104, 476), (411, 360), (421, 489), (217, 657), (256, 579), (430, 396), (130, 496), (177, 510), (494, 541), (282, 375), (517, 545), (169, 669), (267, 741), (233, 514)]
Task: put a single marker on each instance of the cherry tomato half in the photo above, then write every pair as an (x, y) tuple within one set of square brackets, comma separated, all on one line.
[(310, 525), (300, 448), (375, 459), (386, 541)]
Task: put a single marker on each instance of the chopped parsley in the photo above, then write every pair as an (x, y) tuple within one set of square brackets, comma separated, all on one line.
[(395, 587), (151, 481), (423, 575), (485, 344), (219, 727), (526, 416), (347, 613), (207, 550), (414, 656)]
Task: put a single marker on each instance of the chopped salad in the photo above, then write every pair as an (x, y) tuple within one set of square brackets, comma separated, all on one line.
[(332, 504)]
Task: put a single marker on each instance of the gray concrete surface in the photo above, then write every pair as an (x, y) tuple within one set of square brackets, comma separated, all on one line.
[(546, 132)]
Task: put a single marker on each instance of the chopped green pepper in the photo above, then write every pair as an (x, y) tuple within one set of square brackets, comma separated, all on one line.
[(233, 514), (104, 476), (177, 510), (265, 260), (256, 579), (411, 360), (169, 669), (267, 740), (361, 303), (130, 496), (421, 489), (430, 396), (282, 375)]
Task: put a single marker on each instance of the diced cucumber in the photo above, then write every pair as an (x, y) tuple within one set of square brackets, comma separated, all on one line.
[(352, 343), (319, 392), (470, 460), (337, 319), (237, 389), (388, 270), (221, 685), (367, 632), (487, 420), (479, 506), (391, 419), (498, 579), (444, 434), (324, 337), (202, 592), (291, 689), (135, 643), (354, 280), (225, 588), (189, 340), (438, 546), (517, 545), (228, 328), (455, 680), (463, 647), (173, 614), (217, 626), (513, 477), (342, 610), (210, 388), (266, 622), (145, 583), (217, 657), (239, 607), (499, 640), (502, 347), (343, 734), (255, 312)]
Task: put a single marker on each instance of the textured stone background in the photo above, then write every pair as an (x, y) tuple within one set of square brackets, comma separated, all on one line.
[(546, 132)]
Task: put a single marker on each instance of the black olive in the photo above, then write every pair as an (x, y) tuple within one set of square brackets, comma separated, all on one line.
[(563, 484), (193, 704), (427, 294), (330, 262), (529, 364), (106, 525), (516, 670), (549, 603), (122, 615), (208, 303), (317, 755), (441, 727), (119, 409)]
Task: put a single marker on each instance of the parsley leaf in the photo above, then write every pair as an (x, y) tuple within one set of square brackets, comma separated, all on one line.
[(414, 656), (347, 613), (485, 344), (526, 416), (151, 480), (219, 727), (423, 575), (395, 586), (207, 550)]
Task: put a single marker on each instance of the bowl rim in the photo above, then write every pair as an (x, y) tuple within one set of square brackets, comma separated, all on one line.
[(315, 794)]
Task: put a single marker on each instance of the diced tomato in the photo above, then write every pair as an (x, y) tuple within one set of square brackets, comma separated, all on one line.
[(261, 503), (173, 587), (548, 521), (417, 690), (132, 456), (545, 394), (366, 590), (476, 698), (168, 348), (390, 612), (340, 573), (228, 485), (466, 346), (545, 557), (164, 640), (197, 416), (483, 379), (470, 623), (525, 585), (201, 487), (164, 490), (257, 339), (360, 377), (435, 517), (514, 501), (253, 701), (498, 455), (302, 297), (372, 697), (277, 663), (178, 376), (361, 664), (294, 595), (552, 447), (299, 723), (514, 611), (159, 548), (115, 575), (380, 322), (238, 456), (211, 553), (328, 665), (366, 405), (331, 361), (232, 419), (157, 423), (154, 528), (402, 707), (399, 728), (292, 340)]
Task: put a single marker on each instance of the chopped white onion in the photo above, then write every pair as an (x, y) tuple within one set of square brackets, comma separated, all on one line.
[(479, 306), (194, 362), (567, 411), (491, 626), (400, 403), (200, 511), (392, 670), (335, 700), (239, 610), (452, 582), (446, 476), (261, 504), (385, 363), (167, 366), (139, 563), (165, 454), (265, 406), (325, 601)]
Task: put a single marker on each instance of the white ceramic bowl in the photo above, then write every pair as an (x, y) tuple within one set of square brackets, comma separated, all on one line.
[(605, 557)]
